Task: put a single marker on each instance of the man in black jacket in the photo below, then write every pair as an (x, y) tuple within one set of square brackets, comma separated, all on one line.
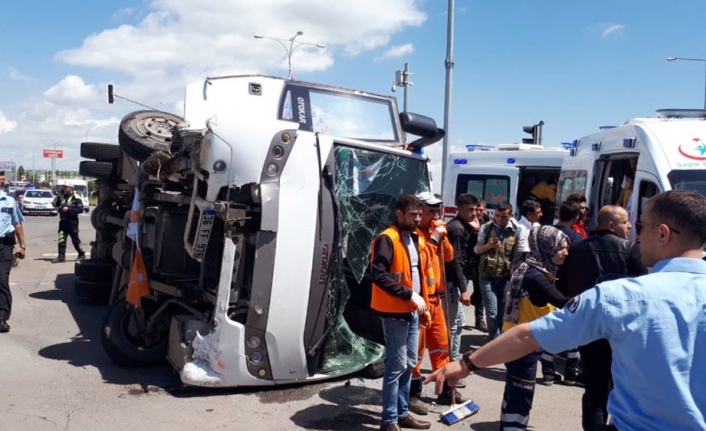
[(607, 254), (69, 207)]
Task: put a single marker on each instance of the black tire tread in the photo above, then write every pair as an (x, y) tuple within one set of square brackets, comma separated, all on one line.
[(119, 349), (97, 169), (100, 151), (95, 292), (91, 270)]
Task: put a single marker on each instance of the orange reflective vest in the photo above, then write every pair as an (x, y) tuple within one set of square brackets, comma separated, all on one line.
[(435, 255), (401, 270)]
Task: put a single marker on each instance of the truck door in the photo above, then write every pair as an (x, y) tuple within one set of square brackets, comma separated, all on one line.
[(491, 184)]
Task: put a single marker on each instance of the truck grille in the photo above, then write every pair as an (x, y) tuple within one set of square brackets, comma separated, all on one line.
[(174, 259)]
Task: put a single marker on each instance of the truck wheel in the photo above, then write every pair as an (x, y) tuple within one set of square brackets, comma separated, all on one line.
[(143, 132), (95, 292), (97, 169), (123, 348), (94, 271), (100, 152)]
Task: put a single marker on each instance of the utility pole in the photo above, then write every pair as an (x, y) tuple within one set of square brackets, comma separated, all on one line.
[(449, 64), (402, 80)]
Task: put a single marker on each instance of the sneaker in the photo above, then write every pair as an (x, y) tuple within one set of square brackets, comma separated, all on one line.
[(4, 327), (547, 380), (417, 406), (444, 398), (59, 259), (81, 256), (481, 326)]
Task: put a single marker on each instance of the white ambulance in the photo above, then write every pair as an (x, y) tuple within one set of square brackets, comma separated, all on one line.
[(506, 172), (628, 164)]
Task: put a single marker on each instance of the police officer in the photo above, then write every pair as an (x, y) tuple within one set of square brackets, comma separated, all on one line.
[(11, 233), (69, 206)]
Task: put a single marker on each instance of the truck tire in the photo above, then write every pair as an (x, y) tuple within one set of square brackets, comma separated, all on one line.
[(100, 152), (121, 347), (97, 169), (92, 270), (143, 132), (95, 292)]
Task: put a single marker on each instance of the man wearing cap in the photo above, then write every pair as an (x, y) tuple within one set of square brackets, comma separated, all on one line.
[(69, 207), (11, 233), (433, 332)]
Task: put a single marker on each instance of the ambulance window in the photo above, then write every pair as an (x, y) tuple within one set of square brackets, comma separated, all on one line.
[(492, 189), (647, 190)]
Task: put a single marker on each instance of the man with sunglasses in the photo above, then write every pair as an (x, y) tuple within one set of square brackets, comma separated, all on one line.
[(655, 325)]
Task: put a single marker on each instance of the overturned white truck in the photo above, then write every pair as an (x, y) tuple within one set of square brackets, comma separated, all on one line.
[(259, 208)]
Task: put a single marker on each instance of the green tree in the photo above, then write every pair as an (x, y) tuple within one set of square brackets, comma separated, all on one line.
[(20, 172)]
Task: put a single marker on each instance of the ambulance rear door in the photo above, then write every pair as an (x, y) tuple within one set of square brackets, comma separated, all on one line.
[(493, 184)]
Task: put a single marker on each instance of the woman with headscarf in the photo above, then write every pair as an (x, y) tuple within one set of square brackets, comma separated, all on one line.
[(531, 294)]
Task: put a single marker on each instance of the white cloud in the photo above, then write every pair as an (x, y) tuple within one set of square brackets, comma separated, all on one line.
[(606, 29), (122, 13), (6, 125), (16, 75), (72, 90), (399, 51)]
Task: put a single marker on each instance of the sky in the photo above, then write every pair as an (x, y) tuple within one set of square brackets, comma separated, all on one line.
[(574, 65)]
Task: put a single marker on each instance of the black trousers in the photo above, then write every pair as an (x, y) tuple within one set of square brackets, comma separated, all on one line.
[(477, 296), (597, 358), (520, 379), (5, 294), (69, 228)]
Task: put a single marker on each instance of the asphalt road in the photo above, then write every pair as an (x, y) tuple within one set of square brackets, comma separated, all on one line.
[(54, 374)]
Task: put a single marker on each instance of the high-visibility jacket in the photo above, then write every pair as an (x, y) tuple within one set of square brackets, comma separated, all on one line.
[(401, 270), (435, 253)]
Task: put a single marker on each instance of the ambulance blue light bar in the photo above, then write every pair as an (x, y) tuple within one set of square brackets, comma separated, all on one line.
[(511, 161), (460, 161), (568, 145)]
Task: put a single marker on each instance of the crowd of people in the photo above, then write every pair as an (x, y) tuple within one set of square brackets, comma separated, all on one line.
[(539, 290)]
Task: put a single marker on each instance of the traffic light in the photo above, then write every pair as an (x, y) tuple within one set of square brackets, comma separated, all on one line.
[(535, 131)]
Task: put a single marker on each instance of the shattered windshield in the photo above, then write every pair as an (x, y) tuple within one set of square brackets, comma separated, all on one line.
[(368, 184), (339, 113)]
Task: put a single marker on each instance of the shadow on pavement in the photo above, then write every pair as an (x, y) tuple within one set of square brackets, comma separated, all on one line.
[(345, 414), (85, 349)]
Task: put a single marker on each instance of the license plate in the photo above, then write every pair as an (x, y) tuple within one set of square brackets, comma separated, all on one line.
[(203, 234)]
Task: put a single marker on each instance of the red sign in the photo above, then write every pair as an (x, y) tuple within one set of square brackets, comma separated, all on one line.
[(54, 154)]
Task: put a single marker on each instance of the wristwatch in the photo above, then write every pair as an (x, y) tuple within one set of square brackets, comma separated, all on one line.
[(469, 364)]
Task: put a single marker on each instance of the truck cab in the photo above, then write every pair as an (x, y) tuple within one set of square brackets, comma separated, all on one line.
[(506, 172), (254, 214)]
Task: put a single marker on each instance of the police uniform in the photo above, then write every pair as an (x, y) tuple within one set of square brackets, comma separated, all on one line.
[(68, 224), (656, 327), (10, 216)]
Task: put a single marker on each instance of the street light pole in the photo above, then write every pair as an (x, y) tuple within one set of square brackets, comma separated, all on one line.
[(693, 59), (449, 64), (291, 47)]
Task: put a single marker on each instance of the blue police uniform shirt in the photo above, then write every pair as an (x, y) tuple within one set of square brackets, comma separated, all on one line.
[(10, 214), (656, 326)]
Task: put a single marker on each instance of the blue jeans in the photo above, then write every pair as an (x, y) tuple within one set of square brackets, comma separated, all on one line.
[(401, 344), (455, 319), (493, 291)]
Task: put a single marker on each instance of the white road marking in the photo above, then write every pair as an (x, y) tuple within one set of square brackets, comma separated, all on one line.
[(88, 255)]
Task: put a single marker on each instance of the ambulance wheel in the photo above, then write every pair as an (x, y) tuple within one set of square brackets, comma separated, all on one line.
[(126, 349), (143, 132)]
